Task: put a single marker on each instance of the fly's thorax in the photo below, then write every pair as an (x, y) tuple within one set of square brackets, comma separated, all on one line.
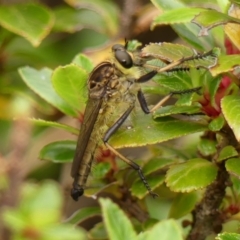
[(99, 79)]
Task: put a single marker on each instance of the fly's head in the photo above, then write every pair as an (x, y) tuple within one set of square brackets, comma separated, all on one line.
[(105, 77), (124, 62), (122, 56)]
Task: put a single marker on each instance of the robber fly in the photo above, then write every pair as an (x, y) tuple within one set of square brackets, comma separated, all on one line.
[(113, 87)]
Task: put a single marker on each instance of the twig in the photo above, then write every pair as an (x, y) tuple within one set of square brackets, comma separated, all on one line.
[(206, 216), (127, 18)]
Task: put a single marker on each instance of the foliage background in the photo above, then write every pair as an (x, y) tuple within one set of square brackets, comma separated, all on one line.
[(37, 37)]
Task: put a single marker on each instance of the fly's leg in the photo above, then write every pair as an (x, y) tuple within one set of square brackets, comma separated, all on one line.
[(135, 166), (148, 76), (144, 105)]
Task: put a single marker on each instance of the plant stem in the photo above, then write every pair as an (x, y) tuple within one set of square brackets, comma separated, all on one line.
[(206, 216)]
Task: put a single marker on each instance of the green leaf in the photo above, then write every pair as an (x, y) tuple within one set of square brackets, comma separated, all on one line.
[(228, 236), (174, 53), (72, 20), (29, 20), (116, 222), (233, 167), (216, 124), (167, 229), (178, 15), (167, 51), (40, 82), (212, 18), (207, 147), (105, 8), (63, 232), (98, 231), (227, 152), (171, 109), (173, 82), (186, 99), (144, 130), (172, 4), (101, 169), (44, 123), (192, 175), (70, 83), (99, 186), (138, 188), (189, 32), (83, 214), (230, 106), (225, 64), (40, 206), (58, 152), (157, 164), (83, 62), (183, 204), (213, 86)]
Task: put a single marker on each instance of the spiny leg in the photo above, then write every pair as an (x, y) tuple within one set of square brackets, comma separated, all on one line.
[(148, 76), (178, 62), (144, 105), (135, 166)]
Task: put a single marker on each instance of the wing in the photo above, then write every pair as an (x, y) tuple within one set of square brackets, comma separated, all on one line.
[(97, 85)]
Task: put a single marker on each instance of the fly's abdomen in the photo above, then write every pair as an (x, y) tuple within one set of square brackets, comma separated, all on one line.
[(85, 160)]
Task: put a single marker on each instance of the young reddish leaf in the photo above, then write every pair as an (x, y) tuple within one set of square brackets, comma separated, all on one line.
[(59, 152), (192, 175), (230, 108), (233, 166), (40, 82), (29, 20)]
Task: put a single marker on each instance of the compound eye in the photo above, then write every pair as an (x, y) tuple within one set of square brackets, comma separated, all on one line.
[(122, 56)]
